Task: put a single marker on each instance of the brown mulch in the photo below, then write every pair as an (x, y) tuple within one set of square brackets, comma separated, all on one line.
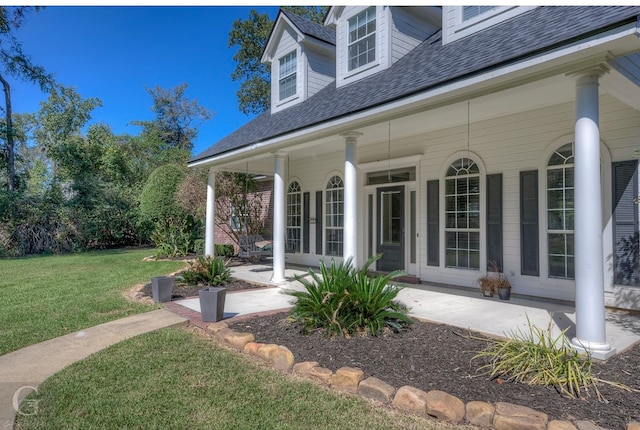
[(181, 291), (433, 356)]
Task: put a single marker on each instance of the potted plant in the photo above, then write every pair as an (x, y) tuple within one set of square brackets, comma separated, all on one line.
[(495, 282), (162, 288), (213, 273)]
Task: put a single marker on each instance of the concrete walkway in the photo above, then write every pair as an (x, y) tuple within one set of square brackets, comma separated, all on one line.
[(23, 370)]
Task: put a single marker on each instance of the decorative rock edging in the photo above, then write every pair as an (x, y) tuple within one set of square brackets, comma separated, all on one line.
[(436, 404)]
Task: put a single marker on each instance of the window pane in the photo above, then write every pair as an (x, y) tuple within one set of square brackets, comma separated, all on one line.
[(557, 266), (362, 39), (556, 220), (555, 178), (462, 204)]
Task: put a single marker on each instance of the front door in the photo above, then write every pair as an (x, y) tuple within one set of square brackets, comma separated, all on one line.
[(391, 228)]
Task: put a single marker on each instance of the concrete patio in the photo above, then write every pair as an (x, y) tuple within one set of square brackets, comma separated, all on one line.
[(457, 307)]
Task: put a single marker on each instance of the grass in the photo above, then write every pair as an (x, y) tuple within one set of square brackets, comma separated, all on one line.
[(175, 378), (46, 297)]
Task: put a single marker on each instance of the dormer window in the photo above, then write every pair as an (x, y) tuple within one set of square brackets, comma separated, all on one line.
[(362, 38), (469, 12), (288, 81)]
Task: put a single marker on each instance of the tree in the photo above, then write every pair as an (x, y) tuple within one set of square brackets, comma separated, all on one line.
[(239, 206), (250, 36), (176, 119), (61, 119), (15, 63)]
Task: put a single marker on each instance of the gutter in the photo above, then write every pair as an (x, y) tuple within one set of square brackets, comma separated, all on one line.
[(479, 84)]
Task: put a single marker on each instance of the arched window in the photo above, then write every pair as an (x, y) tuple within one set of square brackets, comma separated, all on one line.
[(294, 217), (334, 214), (560, 213), (462, 214)]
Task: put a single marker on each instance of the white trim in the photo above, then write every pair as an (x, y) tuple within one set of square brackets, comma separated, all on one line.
[(522, 71), (443, 220), (408, 161)]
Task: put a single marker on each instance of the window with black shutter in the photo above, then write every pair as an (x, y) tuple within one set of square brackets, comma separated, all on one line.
[(625, 222), (494, 220), (433, 227), (529, 255)]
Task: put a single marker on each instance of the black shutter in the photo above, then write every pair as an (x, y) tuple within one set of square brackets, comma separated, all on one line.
[(529, 230), (494, 219), (433, 223), (318, 222), (305, 222), (625, 222)]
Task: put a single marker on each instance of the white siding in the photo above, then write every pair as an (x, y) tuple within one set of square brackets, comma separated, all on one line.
[(407, 31), (508, 145), (321, 71)]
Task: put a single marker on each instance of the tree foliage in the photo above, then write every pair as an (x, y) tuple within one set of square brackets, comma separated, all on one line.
[(176, 118), (15, 63), (239, 206), (250, 37)]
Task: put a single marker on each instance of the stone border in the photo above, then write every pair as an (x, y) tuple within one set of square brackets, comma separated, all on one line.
[(435, 404)]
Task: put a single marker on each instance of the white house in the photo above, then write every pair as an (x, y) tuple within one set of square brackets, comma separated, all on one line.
[(449, 137)]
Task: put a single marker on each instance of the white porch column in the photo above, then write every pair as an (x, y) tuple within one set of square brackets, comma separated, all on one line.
[(279, 221), (209, 235), (350, 233), (589, 272)]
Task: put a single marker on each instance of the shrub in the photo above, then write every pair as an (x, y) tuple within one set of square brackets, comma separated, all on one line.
[(224, 250), (206, 270), (343, 300), (158, 197), (539, 358), (173, 239)]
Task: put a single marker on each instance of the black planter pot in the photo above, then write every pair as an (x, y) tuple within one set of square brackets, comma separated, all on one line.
[(504, 293), (212, 303), (162, 288)]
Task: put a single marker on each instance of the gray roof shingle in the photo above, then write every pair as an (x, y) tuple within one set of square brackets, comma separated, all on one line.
[(432, 64), (310, 28)]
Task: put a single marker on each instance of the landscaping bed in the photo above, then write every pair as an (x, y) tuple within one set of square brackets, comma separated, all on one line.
[(432, 356)]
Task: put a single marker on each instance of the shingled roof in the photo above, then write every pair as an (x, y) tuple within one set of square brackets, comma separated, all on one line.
[(431, 64), (310, 28)]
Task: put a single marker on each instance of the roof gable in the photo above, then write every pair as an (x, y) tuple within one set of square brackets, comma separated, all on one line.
[(302, 27)]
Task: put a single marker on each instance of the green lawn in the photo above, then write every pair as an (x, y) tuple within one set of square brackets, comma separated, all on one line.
[(46, 297), (177, 379)]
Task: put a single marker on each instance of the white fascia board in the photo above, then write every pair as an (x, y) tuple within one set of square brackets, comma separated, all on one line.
[(276, 34), (521, 71)]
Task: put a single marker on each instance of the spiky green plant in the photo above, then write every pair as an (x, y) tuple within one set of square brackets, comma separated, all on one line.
[(206, 270), (538, 357), (343, 300)]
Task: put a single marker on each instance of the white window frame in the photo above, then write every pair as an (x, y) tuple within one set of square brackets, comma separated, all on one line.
[(288, 72), (448, 230), (373, 35), (334, 216), (567, 204), (294, 217)]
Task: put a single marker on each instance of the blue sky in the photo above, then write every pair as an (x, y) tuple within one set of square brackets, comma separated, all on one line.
[(115, 53)]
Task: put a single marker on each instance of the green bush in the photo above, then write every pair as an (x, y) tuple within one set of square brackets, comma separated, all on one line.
[(220, 250), (158, 197), (175, 238), (224, 250), (343, 300), (206, 270), (539, 358)]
